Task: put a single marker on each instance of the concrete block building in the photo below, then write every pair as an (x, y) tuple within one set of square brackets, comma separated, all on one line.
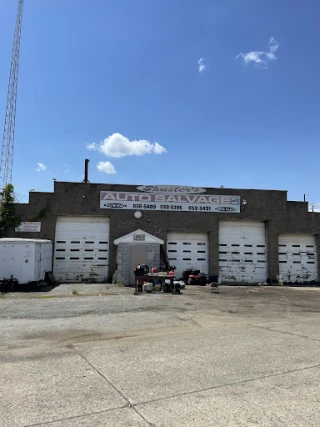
[(240, 235)]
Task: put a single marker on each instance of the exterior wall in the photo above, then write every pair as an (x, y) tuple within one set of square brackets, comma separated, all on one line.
[(123, 265), (75, 199)]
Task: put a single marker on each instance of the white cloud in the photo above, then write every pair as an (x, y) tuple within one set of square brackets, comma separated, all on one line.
[(261, 59), (201, 65), (117, 145), (41, 167), (91, 146), (273, 44), (106, 167)]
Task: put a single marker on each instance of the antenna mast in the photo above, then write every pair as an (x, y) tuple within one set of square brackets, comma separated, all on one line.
[(6, 162)]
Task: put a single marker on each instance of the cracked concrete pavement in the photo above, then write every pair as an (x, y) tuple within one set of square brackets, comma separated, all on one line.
[(244, 357)]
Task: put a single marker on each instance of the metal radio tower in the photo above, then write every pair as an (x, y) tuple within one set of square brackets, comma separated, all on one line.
[(10, 117)]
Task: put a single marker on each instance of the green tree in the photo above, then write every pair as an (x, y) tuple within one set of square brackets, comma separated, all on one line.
[(8, 217)]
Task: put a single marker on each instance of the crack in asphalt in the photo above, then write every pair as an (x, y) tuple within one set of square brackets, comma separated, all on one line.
[(185, 316), (285, 333), (115, 311), (76, 416), (278, 374), (133, 405), (129, 404)]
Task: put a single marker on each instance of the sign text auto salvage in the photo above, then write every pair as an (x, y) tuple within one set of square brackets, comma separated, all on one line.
[(169, 202)]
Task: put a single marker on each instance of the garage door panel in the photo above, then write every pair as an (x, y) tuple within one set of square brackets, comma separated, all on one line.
[(81, 249), (242, 252), (297, 258), (188, 251)]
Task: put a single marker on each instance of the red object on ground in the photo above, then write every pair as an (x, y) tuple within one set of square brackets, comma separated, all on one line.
[(197, 279)]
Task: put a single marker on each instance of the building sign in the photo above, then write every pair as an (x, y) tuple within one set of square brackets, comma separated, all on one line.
[(171, 189), (139, 237), (30, 227), (169, 202)]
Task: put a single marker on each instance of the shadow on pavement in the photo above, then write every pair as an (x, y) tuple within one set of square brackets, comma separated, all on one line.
[(31, 287)]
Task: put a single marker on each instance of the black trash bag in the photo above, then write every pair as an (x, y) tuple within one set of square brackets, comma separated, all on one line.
[(141, 270)]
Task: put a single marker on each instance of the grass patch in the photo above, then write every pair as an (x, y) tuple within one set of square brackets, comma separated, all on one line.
[(3, 296), (75, 291), (115, 280)]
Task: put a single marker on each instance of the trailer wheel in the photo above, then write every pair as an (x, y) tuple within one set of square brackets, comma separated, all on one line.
[(49, 278)]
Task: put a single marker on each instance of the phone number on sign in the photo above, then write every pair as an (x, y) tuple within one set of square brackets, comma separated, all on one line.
[(162, 207), (141, 206), (199, 208), (171, 207)]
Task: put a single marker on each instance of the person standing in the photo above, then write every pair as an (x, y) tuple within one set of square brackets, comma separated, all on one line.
[(140, 271)]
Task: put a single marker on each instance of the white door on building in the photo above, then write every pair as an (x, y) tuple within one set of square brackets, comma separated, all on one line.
[(298, 258), (242, 252), (81, 249), (188, 250)]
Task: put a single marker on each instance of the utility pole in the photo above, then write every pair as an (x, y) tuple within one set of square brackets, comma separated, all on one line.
[(7, 149)]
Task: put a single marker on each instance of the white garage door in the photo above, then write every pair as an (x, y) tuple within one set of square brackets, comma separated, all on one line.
[(188, 250), (81, 249), (297, 258), (242, 252)]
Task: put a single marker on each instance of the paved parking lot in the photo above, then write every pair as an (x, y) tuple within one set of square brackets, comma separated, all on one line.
[(244, 357)]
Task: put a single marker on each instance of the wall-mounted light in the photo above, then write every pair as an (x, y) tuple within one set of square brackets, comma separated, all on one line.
[(137, 214), (243, 204)]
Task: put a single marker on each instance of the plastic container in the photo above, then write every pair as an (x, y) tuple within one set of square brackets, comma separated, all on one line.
[(148, 287)]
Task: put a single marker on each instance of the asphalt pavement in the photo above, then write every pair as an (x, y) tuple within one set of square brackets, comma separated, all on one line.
[(83, 355)]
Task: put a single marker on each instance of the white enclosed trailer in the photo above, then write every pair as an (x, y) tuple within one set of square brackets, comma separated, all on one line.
[(25, 260)]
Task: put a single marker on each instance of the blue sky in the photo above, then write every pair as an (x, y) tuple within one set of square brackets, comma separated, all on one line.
[(107, 74)]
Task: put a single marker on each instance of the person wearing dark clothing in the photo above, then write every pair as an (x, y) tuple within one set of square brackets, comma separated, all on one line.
[(139, 271)]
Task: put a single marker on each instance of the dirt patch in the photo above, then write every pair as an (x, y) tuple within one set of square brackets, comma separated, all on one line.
[(77, 336)]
